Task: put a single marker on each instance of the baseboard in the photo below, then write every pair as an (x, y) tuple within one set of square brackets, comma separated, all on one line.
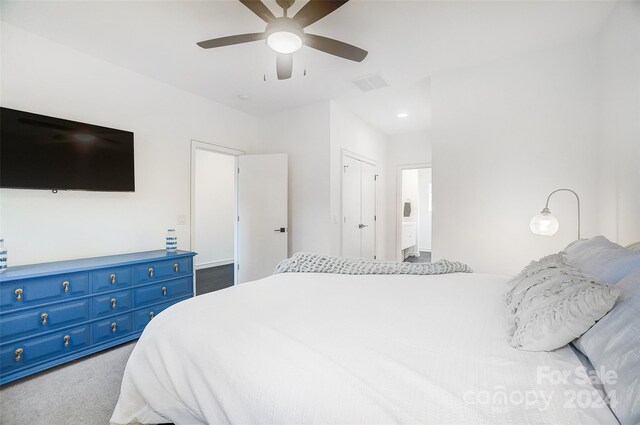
[(214, 264)]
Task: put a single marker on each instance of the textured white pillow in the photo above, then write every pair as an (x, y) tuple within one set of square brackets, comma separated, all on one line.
[(550, 303), (613, 345), (608, 262)]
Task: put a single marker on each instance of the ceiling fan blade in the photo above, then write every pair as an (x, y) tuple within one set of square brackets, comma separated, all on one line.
[(257, 7), (315, 10), (335, 47), (284, 65), (230, 40)]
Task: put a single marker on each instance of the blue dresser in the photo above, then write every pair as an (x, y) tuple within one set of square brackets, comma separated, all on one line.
[(53, 313)]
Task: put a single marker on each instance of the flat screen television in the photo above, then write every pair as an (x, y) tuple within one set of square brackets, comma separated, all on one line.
[(41, 152)]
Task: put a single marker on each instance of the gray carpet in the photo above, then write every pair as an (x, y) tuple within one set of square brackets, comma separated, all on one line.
[(83, 392)]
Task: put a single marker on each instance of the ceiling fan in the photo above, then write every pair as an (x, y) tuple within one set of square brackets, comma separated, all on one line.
[(286, 35)]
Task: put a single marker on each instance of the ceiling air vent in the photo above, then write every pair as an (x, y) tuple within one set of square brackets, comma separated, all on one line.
[(370, 82)]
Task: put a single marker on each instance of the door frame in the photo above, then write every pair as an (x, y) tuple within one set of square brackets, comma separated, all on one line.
[(211, 147), (347, 153), (398, 209)]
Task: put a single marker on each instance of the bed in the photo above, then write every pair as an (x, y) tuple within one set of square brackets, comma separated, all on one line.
[(329, 348)]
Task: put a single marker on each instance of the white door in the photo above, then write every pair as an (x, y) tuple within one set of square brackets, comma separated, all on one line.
[(358, 208), (351, 175), (368, 211), (262, 215)]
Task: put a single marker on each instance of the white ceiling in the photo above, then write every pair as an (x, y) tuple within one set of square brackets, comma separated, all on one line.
[(381, 107), (407, 42)]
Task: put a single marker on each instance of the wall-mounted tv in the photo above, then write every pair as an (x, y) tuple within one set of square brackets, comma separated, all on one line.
[(41, 152)]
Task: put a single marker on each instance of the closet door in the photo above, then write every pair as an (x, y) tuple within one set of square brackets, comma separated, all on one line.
[(368, 211), (351, 177), (358, 209)]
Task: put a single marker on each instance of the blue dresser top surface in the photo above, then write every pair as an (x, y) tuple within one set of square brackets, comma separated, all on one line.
[(69, 266)]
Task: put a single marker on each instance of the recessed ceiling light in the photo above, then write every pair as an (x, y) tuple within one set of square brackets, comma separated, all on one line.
[(403, 115), (244, 96)]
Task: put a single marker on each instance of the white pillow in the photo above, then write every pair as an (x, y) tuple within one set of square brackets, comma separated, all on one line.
[(551, 303), (613, 345), (634, 246), (606, 261)]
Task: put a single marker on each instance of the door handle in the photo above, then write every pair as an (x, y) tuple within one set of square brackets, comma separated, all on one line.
[(281, 230), (362, 226)]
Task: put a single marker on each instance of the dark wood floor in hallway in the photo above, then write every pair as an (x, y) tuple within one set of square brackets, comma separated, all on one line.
[(214, 278), (425, 257)]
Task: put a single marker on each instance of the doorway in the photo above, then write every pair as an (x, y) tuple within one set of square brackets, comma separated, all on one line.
[(415, 210), (213, 212), (359, 217), (239, 215)]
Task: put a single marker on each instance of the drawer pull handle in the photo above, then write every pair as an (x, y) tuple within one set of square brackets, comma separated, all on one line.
[(65, 285), (164, 291), (112, 276), (18, 354), (44, 317), (114, 325), (66, 339), (113, 303), (150, 271), (151, 314), (176, 268), (18, 293)]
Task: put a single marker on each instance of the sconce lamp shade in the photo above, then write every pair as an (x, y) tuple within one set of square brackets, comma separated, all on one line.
[(544, 223)]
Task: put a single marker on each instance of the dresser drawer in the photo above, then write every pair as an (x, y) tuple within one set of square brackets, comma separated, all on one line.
[(108, 279), (42, 319), (113, 303), (163, 291), (142, 317), (23, 293), (112, 328), (164, 269), (25, 353)]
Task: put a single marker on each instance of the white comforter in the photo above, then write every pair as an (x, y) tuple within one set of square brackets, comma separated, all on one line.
[(327, 349)]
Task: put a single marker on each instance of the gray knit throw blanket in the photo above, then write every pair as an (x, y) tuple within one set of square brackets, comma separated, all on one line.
[(304, 262)]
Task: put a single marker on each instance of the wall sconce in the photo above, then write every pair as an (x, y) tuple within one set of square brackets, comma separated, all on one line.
[(545, 223)]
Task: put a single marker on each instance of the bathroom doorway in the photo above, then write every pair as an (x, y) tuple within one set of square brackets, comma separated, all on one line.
[(415, 210)]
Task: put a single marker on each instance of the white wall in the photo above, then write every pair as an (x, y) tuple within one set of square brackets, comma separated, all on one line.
[(402, 149), (619, 100), (303, 134), (351, 133), (314, 137), (41, 76), (505, 135), (424, 231), (214, 208)]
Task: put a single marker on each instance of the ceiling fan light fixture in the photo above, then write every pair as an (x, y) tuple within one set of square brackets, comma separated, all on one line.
[(284, 42), (284, 36)]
